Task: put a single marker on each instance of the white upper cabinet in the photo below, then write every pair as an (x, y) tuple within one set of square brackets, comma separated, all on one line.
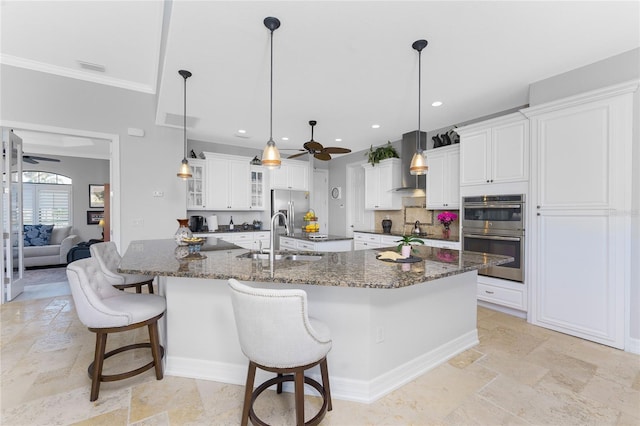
[(291, 175), (443, 177), (494, 151), (379, 182), (197, 185), (228, 183)]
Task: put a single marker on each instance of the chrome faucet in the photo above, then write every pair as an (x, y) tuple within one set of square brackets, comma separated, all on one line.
[(272, 240)]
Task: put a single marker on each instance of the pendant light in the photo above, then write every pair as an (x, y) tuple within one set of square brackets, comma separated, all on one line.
[(419, 160), (270, 155), (185, 171)]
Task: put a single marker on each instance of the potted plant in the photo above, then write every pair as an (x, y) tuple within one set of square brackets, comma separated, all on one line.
[(381, 153), (405, 244)]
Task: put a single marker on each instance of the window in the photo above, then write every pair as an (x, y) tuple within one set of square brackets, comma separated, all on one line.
[(46, 198)]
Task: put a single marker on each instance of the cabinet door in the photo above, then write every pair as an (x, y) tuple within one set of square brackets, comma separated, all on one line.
[(452, 181), (257, 188), (196, 186), (218, 184), (298, 176), (578, 289), (474, 159), (278, 177), (510, 152), (386, 179), (371, 181), (239, 185), (436, 180)]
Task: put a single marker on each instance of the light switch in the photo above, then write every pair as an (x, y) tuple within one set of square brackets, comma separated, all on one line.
[(158, 194)]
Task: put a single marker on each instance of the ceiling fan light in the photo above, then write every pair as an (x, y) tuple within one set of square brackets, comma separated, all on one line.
[(418, 164), (271, 155), (184, 172)]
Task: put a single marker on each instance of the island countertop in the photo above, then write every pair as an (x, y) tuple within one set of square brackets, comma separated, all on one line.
[(345, 269)]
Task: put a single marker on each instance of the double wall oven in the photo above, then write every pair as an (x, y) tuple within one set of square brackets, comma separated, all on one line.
[(495, 224)]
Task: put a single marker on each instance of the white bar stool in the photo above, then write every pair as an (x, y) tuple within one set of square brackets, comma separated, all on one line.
[(277, 335), (108, 258), (104, 309)]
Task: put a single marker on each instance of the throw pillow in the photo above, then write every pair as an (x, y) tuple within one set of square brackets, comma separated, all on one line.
[(37, 235)]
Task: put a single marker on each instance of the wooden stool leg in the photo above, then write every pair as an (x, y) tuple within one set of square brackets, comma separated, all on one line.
[(248, 391), (155, 349), (324, 371), (279, 385), (98, 361), (150, 285), (299, 396), (139, 288)]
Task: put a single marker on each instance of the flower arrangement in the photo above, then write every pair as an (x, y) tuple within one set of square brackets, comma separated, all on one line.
[(446, 218)]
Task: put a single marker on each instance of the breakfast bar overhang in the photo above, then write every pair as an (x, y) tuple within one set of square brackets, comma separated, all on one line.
[(389, 322)]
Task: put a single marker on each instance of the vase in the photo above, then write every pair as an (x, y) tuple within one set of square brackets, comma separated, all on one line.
[(182, 232), (446, 232), (386, 225), (406, 251)]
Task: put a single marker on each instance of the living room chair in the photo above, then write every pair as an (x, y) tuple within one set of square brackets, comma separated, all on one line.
[(104, 310), (108, 258), (278, 336)]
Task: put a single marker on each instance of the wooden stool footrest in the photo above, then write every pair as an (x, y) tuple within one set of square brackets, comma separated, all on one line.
[(127, 374)]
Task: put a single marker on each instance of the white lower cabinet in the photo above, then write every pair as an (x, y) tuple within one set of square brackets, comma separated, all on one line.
[(365, 240), (502, 292), (246, 240), (288, 243)]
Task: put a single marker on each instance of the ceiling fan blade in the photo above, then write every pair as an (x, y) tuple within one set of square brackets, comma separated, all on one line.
[(312, 146), (297, 155), (336, 150), (35, 157), (322, 156), (29, 160)]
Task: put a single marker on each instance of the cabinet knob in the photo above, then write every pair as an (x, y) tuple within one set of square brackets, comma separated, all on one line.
[(538, 214), (537, 207)]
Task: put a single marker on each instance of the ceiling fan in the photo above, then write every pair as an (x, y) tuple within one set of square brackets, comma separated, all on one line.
[(32, 159), (317, 150)]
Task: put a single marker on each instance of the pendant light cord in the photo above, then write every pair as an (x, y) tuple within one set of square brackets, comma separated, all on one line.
[(419, 97), (185, 117), (271, 93)]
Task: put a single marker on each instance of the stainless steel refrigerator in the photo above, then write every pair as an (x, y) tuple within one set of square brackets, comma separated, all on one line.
[(294, 204)]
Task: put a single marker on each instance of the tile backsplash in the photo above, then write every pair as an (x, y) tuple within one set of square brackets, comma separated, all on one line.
[(403, 221)]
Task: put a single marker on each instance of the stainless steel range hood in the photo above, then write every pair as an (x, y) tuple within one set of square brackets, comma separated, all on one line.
[(411, 185)]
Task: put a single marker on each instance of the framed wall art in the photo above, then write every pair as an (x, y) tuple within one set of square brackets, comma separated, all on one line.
[(94, 216), (96, 196)]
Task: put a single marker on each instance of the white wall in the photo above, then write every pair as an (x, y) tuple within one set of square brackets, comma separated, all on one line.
[(147, 164)]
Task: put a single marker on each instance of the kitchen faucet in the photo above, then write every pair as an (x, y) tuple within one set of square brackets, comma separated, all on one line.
[(272, 240)]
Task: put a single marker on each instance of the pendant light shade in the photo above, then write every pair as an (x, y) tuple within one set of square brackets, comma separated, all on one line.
[(419, 160), (185, 171), (271, 155)]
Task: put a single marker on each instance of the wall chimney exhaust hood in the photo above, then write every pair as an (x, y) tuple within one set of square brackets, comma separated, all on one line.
[(414, 186)]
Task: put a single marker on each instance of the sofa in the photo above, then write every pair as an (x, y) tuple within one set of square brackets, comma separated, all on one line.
[(53, 253)]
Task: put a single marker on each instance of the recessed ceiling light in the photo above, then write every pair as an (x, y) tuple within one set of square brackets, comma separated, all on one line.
[(338, 139), (375, 126), (436, 104), (242, 131), (285, 138)]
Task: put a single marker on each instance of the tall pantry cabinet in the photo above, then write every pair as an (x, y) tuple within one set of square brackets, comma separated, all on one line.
[(579, 213)]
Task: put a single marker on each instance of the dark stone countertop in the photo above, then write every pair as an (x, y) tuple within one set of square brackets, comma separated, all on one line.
[(346, 269)]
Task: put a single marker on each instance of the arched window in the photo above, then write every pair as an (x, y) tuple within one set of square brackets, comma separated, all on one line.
[(46, 198)]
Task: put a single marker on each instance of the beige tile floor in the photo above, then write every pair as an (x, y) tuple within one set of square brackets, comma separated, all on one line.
[(518, 374)]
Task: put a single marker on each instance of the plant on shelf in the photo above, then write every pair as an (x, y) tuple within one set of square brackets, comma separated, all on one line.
[(408, 241), (381, 153)]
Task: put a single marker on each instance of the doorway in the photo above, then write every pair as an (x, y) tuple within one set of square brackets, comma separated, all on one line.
[(358, 218)]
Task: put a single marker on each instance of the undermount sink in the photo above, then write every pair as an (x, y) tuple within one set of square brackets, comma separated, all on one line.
[(303, 257), (292, 257)]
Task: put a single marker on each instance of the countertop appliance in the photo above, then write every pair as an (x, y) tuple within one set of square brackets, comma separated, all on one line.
[(212, 223), (294, 204), (196, 223), (495, 224)]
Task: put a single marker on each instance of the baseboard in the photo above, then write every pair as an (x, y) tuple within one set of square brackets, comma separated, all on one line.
[(503, 309), (632, 345), (345, 389)]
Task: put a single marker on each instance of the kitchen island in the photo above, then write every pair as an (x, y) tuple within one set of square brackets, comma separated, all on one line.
[(389, 322)]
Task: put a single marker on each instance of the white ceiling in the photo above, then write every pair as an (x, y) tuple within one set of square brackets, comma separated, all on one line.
[(347, 65)]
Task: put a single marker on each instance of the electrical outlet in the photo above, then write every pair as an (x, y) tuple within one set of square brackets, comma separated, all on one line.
[(379, 335), (158, 194), (138, 223)]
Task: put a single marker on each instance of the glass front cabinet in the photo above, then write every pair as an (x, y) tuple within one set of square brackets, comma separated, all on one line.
[(196, 185), (257, 188)]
